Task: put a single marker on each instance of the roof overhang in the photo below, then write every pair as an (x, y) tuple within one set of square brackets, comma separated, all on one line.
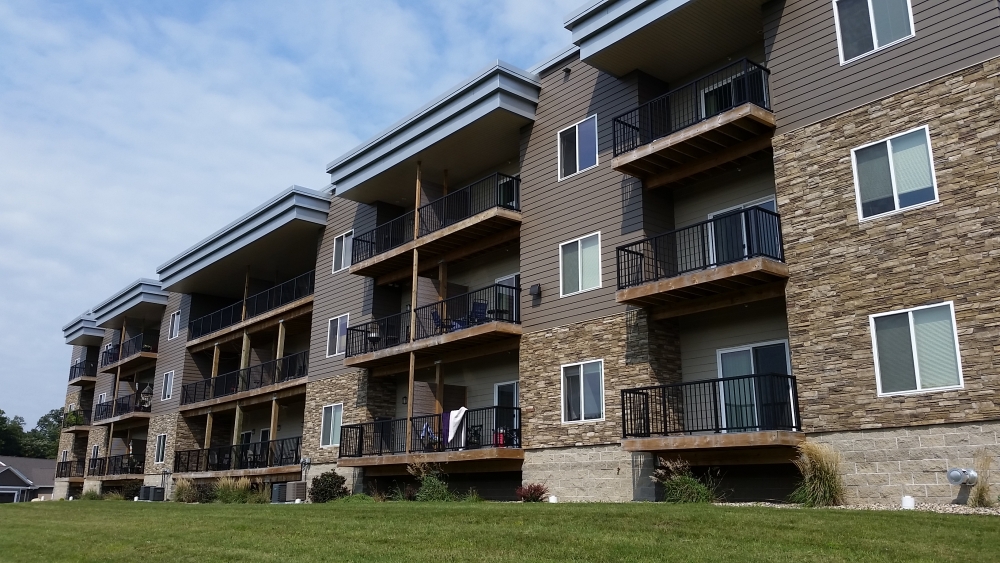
[(469, 129), (83, 331), (143, 299), (277, 238), (664, 38)]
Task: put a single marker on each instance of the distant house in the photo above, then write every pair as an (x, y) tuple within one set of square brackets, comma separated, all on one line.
[(23, 478)]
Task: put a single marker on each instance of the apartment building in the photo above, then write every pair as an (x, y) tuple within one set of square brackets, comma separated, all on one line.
[(706, 230)]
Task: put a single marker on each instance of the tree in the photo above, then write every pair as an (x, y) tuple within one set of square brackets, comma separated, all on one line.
[(43, 440), (11, 433)]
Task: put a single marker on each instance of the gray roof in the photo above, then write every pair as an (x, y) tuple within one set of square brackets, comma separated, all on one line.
[(41, 472)]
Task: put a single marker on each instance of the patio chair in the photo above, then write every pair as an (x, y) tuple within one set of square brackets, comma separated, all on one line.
[(478, 314)]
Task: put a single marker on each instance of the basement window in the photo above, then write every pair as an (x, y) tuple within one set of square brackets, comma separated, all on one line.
[(916, 350), (866, 26)]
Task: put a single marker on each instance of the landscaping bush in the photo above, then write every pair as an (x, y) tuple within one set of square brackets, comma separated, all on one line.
[(114, 495), (473, 496), (821, 483), (532, 492), (681, 486), (433, 488), (260, 495), (408, 492), (185, 491), (91, 495), (233, 491), (979, 496), (328, 486)]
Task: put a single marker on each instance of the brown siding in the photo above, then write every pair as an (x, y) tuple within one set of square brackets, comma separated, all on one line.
[(599, 199), (808, 83), (173, 355)]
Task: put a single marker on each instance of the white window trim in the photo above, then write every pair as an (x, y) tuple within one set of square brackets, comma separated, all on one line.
[(95, 451), (740, 348), (102, 398), (871, 21), (158, 453), (168, 390), (600, 266), (913, 346), (171, 326), (347, 322), (892, 175), (597, 148), (333, 262), (334, 440), (65, 456), (562, 395), (517, 389)]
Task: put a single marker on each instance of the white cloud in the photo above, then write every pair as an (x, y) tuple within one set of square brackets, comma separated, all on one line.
[(128, 133)]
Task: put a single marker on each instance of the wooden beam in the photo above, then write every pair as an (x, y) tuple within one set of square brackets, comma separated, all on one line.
[(712, 441), (409, 400), (707, 163), (207, 443), (741, 297), (491, 330), (773, 268), (457, 356), (439, 391), (237, 425), (216, 355), (246, 293), (280, 351), (245, 354), (274, 418), (455, 255)]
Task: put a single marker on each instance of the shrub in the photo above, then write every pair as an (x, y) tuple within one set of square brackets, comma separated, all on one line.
[(408, 492), (260, 495), (328, 486), (979, 496), (186, 491), (130, 489), (681, 486), (821, 483), (433, 488), (532, 492), (91, 495), (114, 495), (473, 496), (233, 491)]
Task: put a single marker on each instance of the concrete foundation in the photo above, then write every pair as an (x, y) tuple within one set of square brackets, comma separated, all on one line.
[(591, 474)]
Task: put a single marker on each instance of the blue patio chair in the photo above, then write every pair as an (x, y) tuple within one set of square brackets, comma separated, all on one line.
[(478, 315)]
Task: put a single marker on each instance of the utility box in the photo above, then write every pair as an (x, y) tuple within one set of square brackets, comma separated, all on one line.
[(157, 494), (278, 492), (144, 493), (295, 490)]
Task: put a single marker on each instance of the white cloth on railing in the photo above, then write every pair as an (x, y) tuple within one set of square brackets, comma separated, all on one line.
[(456, 423)]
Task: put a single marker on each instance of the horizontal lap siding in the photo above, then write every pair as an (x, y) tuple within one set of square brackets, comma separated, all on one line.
[(341, 292), (808, 83), (554, 212), (173, 355)]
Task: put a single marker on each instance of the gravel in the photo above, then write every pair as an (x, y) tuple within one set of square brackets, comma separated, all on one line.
[(923, 507)]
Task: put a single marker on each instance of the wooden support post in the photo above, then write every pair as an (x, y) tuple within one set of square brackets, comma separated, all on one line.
[(237, 425), (280, 351), (111, 440), (245, 356), (439, 392), (216, 353), (416, 207), (274, 418), (208, 431), (409, 401), (246, 290), (443, 287)]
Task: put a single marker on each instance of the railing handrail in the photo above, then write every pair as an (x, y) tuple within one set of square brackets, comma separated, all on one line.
[(279, 452), (359, 334), (310, 289), (82, 368), (70, 418), (714, 219), (190, 391), (499, 179), (369, 238)]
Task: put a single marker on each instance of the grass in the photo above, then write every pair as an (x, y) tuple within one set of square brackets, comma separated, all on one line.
[(343, 532)]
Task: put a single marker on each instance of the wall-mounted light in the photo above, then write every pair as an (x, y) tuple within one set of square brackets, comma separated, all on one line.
[(535, 290)]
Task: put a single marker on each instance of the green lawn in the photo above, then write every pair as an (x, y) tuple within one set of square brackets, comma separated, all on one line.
[(151, 532)]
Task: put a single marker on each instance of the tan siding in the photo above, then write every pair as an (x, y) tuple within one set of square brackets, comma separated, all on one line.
[(173, 356), (809, 84)]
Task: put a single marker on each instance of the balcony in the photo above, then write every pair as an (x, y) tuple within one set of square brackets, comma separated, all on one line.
[(83, 372), (485, 315), (711, 124), (238, 383), (76, 421), (490, 433), (133, 351), (469, 215), (70, 469), (135, 404), (117, 466), (279, 298), (257, 458), (747, 411), (730, 259)]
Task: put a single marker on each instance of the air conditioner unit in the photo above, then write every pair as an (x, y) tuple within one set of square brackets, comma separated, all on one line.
[(145, 493), (295, 490), (157, 494), (278, 492)]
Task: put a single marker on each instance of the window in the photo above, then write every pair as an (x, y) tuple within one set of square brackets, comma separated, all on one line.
[(580, 265), (265, 435), (94, 451), (894, 174), (864, 26), (342, 251), (336, 336), (161, 448), (583, 391), (168, 386), (916, 350), (578, 147), (333, 415), (65, 456), (175, 325), (101, 398)]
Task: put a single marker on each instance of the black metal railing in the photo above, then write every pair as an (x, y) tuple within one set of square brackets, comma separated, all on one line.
[(124, 464), (381, 437), (83, 368), (110, 355), (742, 82), (256, 304), (745, 403), (382, 238), (254, 455), (732, 237), (135, 402), (492, 303), (496, 190), (104, 410), (277, 371), (75, 468), (78, 417), (142, 342), (378, 334)]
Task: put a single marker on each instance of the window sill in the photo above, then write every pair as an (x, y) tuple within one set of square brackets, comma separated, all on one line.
[(588, 421), (896, 212), (879, 50), (561, 295), (578, 172), (923, 391)]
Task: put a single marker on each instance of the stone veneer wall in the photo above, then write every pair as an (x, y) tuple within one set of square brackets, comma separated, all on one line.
[(162, 424), (882, 465), (843, 270)]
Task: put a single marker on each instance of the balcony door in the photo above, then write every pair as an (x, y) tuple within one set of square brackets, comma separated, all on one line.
[(746, 405), (727, 232), (505, 397), (507, 300), (725, 93)]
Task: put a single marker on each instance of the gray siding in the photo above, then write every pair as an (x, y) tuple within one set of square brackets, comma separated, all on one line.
[(599, 199), (808, 83), (693, 203), (173, 356)]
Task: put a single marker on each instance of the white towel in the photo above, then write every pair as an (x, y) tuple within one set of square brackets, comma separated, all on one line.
[(455, 419)]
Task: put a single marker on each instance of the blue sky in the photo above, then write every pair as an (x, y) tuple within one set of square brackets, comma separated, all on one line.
[(131, 130)]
